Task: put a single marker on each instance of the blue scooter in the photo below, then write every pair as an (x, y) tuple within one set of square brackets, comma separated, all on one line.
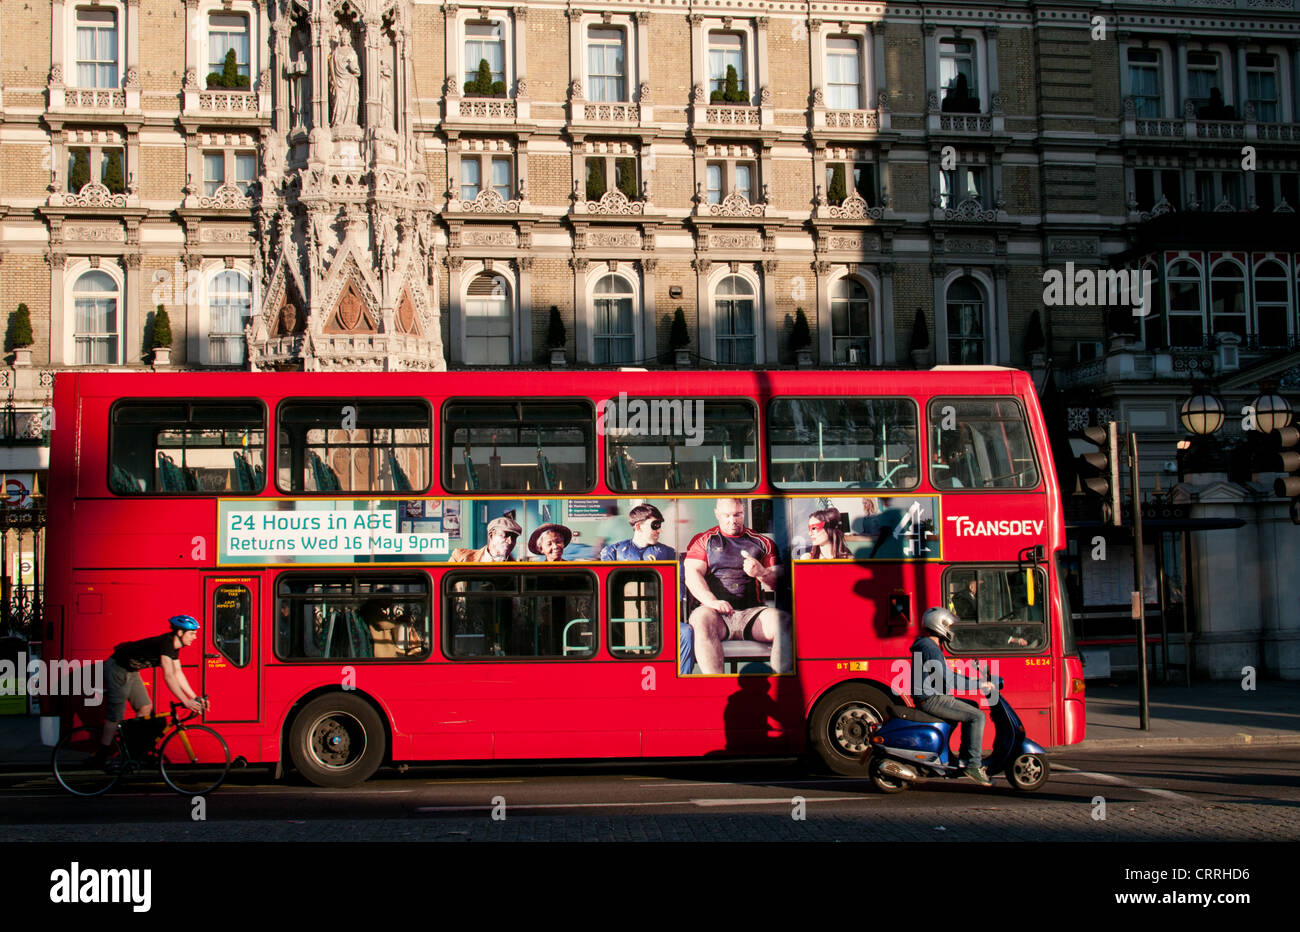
[(912, 745)]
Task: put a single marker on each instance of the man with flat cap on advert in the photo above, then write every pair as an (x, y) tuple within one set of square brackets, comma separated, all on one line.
[(502, 534)]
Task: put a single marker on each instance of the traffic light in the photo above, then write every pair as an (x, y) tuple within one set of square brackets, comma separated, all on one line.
[(1098, 470), (1287, 441)]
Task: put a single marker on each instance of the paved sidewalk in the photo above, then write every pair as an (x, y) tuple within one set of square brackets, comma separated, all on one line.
[(1206, 715)]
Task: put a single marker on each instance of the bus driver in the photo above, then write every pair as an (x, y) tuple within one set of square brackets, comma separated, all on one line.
[(726, 568)]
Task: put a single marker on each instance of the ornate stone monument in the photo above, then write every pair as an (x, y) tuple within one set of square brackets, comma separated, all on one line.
[(343, 207)]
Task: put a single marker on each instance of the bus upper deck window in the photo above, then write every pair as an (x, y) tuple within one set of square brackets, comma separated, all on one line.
[(691, 444), (519, 446), (843, 443), (187, 448), (980, 444), (345, 445)]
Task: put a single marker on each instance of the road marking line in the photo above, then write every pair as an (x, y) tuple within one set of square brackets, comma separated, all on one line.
[(1119, 781), (703, 803)]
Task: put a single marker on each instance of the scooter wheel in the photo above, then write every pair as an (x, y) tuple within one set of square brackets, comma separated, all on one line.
[(883, 781), (1028, 772)]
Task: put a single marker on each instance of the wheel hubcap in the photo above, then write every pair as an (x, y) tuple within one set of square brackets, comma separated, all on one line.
[(337, 740), (1028, 770), (851, 728)]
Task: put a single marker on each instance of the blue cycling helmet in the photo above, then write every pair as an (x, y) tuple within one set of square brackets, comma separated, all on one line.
[(183, 622)]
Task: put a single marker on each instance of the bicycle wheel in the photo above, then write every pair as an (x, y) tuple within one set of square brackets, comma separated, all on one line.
[(194, 759), (72, 762)]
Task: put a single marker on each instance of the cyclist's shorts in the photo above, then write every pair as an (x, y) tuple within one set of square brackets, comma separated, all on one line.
[(123, 685)]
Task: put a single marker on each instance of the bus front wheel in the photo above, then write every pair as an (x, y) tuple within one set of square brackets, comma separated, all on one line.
[(841, 726), (337, 740)]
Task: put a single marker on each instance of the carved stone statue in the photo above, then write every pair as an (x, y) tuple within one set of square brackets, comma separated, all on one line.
[(346, 81), (296, 72), (386, 96)]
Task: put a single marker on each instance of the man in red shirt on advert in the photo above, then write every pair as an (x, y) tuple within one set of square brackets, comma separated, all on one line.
[(727, 568)]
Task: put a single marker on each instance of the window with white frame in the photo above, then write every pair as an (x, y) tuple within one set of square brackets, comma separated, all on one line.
[(96, 39), (843, 73), (1261, 86), (844, 179), (478, 171), (489, 322), (1186, 314), (245, 170), (214, 172), (1144, 83), (1152, 184), (966, 310), (96, 302), (1228, 298), (959, 76), (734, 321), (105, 164), (615, 321), (485, 42), (613, 171), (965, 182), (1213, 188), (726, 53), (606, 64), (228, 33), (230, 303), (1202, 77), (850, 323), (723, 178), (1272, 303)]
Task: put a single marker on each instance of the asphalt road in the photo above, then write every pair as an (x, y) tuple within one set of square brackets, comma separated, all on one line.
[(1223, 794)]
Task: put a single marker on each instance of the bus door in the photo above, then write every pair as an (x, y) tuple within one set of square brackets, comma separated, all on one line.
[(230, 678), (1003, 613)]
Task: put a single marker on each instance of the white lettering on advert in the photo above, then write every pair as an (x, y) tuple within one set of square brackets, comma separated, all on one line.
[(964, 526)]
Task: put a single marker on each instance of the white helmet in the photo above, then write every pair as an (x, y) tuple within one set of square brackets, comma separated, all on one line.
[(940, 621)]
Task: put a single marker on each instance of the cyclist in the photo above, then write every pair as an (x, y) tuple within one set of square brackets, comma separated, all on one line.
[(123, 676)]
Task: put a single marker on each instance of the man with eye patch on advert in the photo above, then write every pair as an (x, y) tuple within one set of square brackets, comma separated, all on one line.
[(646, 521)]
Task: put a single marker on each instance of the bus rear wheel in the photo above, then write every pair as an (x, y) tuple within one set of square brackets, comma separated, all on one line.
[(337, 740), (842, 723)]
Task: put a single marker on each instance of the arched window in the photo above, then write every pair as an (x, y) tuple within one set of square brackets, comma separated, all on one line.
[(95, 301), (489, 323), (615, 304), (230, 302), (965, 323), (850, 323), (1228, 298), (1186, 315), (733, 314), (1272, 303)]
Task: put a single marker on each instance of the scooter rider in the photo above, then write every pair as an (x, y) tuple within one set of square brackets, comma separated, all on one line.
[(931, 679)]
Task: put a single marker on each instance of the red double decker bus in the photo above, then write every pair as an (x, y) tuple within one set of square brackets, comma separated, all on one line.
[(489, 566)]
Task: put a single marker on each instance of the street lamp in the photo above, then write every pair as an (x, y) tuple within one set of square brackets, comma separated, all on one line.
[(1272, 412), (1202, 414)]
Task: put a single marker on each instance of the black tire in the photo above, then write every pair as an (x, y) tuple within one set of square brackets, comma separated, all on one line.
[(73, 770), (337, 740), (884, 782), (194, 760), (840, 729), (1028, 772)]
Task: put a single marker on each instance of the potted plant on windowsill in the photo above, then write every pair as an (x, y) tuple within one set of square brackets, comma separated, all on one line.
[(1035, 342), (556, 338), (679, 338), (483, 85), (228, 78), (920, 345), (801, 340), (18, 339), (160, 340), (731, 92)]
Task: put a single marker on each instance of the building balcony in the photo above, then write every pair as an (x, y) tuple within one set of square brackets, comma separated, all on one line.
[(487, 201), (735, 206), (983, 123), (723, 117), (970, 210), (485, 111), (1191, 128), (852, 208)]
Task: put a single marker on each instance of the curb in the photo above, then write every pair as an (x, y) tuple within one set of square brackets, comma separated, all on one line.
[(1153, 743)]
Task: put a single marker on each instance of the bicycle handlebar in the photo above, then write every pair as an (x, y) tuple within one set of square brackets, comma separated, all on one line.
[(192, 714)]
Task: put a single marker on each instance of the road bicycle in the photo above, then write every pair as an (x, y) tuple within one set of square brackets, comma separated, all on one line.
[(193, 759)]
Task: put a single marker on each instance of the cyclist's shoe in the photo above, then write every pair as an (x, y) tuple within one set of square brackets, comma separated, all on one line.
[(105, 759), (979, 775)]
